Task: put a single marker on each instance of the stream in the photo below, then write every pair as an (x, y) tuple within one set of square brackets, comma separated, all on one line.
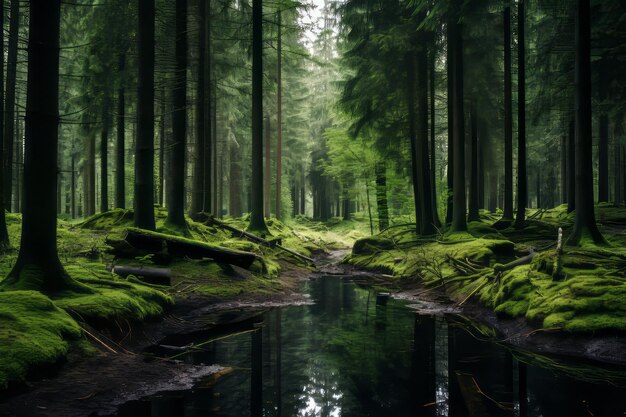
[(357, 353)]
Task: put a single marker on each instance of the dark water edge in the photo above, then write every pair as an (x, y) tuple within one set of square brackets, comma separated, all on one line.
[(355, 354)]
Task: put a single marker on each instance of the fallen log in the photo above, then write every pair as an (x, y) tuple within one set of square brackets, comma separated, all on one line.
[(524, 260), (158, 276), (256, 239), (178, 247)]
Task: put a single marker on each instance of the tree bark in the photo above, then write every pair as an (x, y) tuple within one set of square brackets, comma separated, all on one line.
[(522, 176), (585, 223), (473, 214), (450, 109), (413, 137), (571, 168), (9, 105), (163, 141), (508, 119), (176, 171), (427, 226), (563, 161), (19, 164), (257, 222), (303, 193), (73, 185), (459, 223), (619, 165), (4, 234), (89, 175), (603, 140), (234, 183), (268, 169), (433, 153), (120, 174), (381, 195), (38, 266), (104, 158), (201, 188), (279, 118), (144, 144), (538, 188)]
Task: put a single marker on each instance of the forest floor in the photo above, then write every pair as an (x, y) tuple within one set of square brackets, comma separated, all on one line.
[(579, 312), (569, 302), (40, 332)]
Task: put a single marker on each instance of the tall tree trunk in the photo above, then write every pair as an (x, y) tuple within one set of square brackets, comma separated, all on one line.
[(163, 141), (493, 192), (19, 164), (563, 161), (508, 119), (459, 223), (481, 165), (120, 175), (213, 138), (73, 185), (9, 105), (4, 234), (257, 222), (144, 144), (603, 140), (522, 176), (104, 158), (585, 223), (279, 118), (234, 183), (619, 166), (473, 214), (89, 175), (571, 168), (220, 200), (381, 195), (617, 175), (199, 193), (295, 204), (38, 266), (538, 188), (450, 110), (176, 171), (369, 206), (303, 193), (268, 169), (433, 160), (413, 137), (427, 226)]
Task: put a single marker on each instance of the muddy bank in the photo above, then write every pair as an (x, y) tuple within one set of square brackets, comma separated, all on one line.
[(124, 369), (608, 348)]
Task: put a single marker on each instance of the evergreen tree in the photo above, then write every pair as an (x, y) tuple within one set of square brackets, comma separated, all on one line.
[(144, 143)]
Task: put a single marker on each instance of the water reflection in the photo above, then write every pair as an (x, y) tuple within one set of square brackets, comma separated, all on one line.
[(349, 355)]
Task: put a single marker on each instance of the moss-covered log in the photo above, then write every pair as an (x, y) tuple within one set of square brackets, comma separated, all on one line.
[(158, 243)]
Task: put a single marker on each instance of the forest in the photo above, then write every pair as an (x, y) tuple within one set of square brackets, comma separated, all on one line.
[(313, 208)]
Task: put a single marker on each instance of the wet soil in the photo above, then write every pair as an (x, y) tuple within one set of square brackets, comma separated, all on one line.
[(118, 373), (122, 370)]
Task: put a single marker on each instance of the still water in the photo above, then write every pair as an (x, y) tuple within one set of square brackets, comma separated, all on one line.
[(353, 354)]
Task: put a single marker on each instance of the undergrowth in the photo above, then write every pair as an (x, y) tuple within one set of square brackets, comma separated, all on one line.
[(588, 296)]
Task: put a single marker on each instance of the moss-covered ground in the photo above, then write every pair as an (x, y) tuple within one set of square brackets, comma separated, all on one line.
[(38, 329), (588, 294)]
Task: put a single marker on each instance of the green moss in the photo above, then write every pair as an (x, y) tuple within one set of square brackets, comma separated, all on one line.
[(113, 298), (591, 298), (109, 220), (33, 332)]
